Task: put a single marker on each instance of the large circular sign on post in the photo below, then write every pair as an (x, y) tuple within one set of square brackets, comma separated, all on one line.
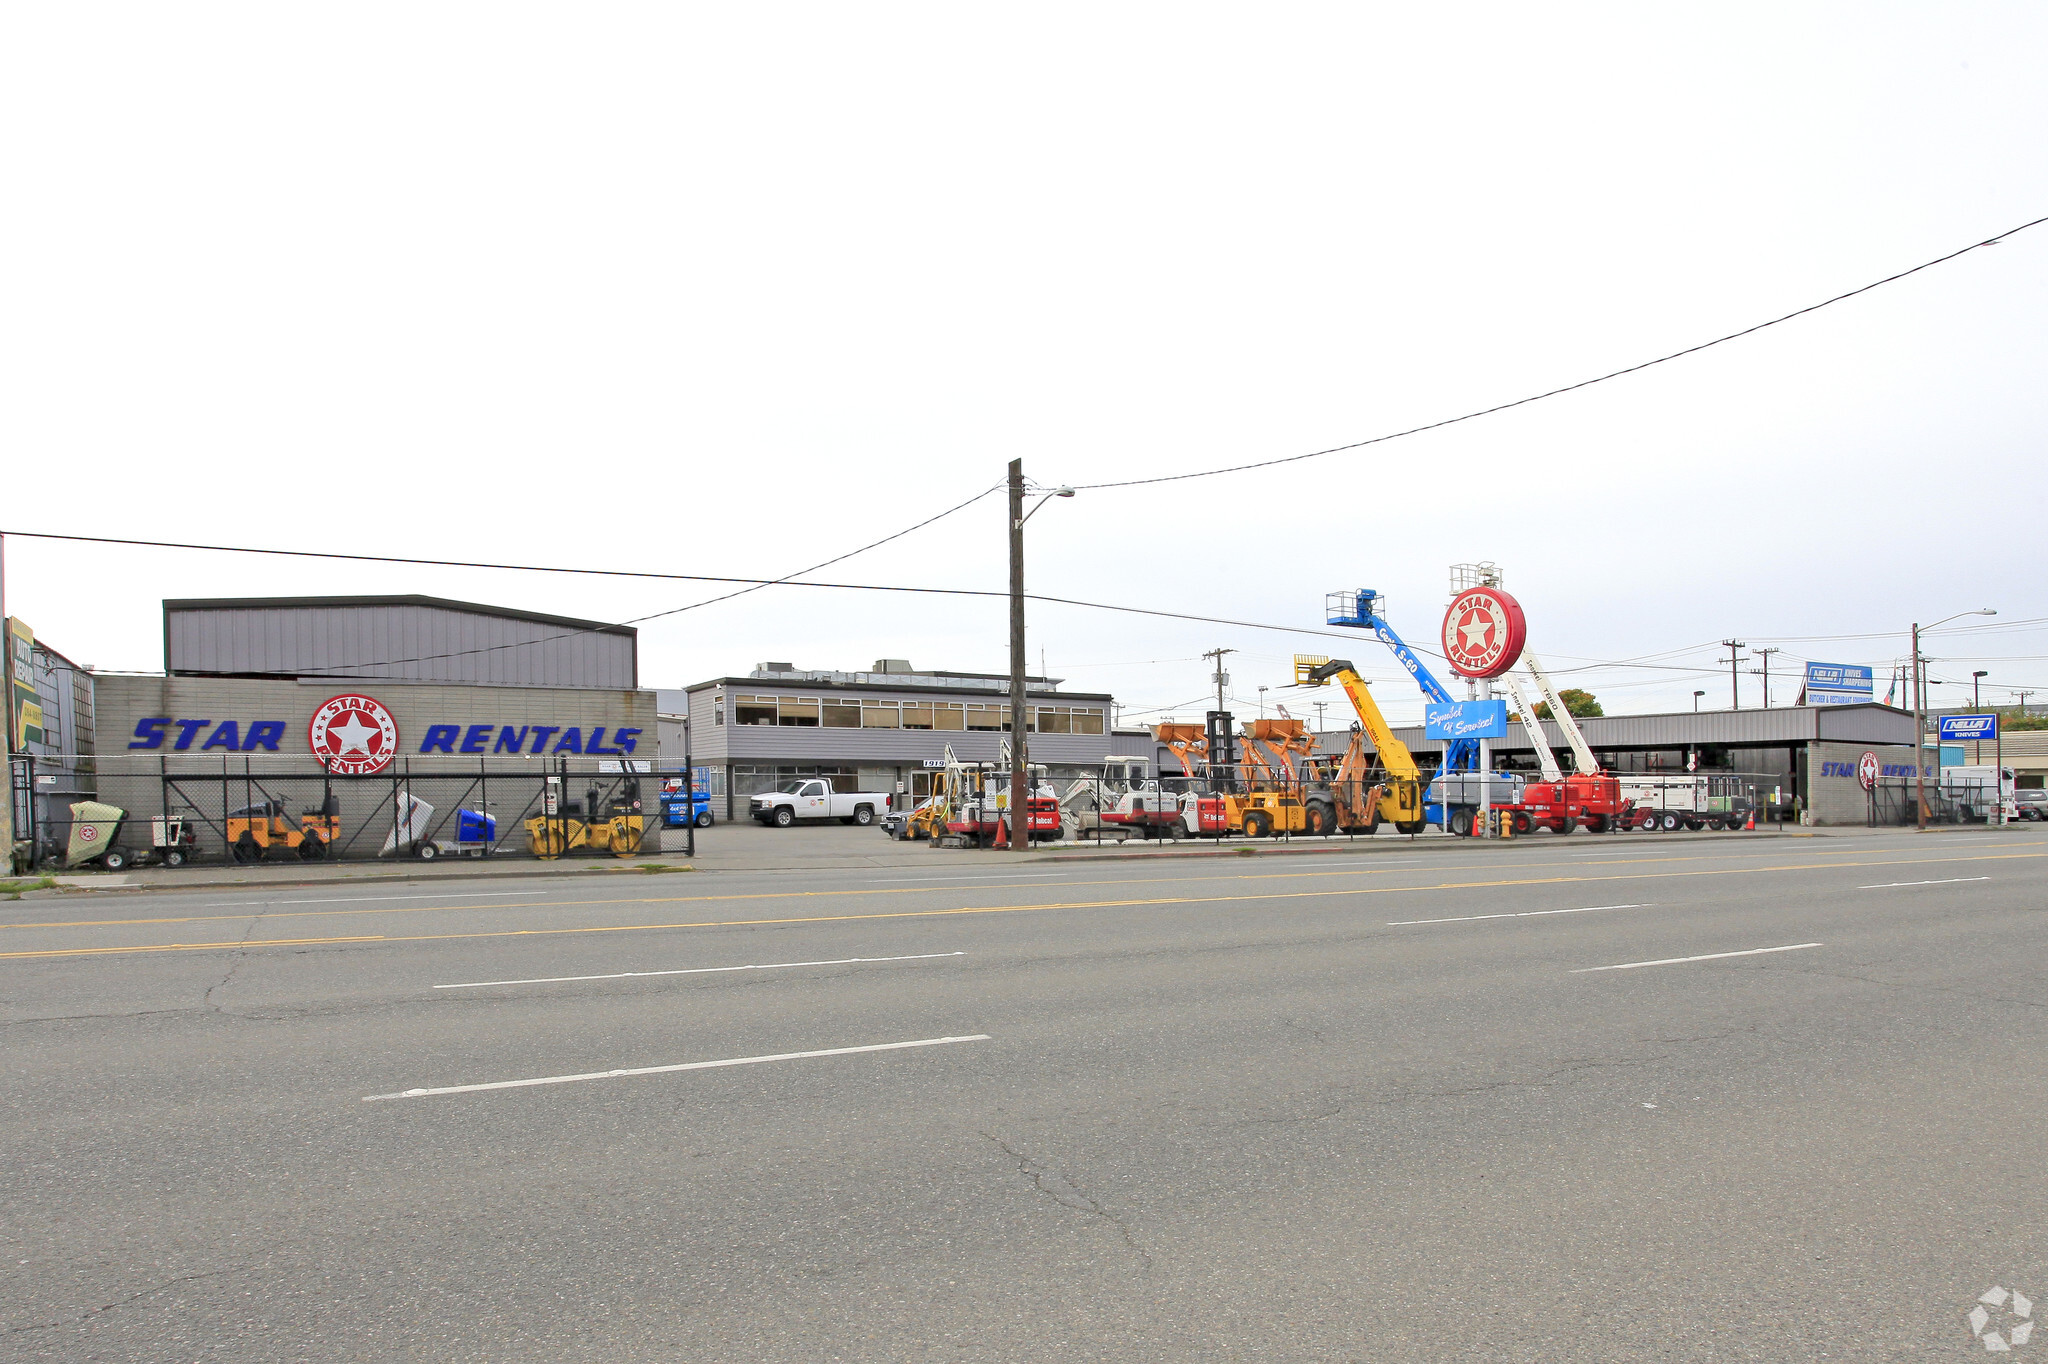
[(1866, 770), (353, 735), (1483, 632)]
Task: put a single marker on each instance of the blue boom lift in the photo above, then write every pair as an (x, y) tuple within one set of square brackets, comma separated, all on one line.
[(1362, 610)]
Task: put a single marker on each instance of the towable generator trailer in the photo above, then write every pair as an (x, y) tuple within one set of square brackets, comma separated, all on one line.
[(1668, 802)]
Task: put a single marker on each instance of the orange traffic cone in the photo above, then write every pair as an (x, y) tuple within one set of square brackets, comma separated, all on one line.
[(1002, 834), (1750, 827)]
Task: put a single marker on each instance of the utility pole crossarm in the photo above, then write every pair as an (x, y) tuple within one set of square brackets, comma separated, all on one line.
[(1734, 648)]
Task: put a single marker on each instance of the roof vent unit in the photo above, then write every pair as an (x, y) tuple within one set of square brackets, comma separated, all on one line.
[(893, 665), (775, 667)]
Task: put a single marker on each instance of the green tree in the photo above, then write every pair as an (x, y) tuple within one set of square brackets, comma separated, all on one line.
[(1579, 703)]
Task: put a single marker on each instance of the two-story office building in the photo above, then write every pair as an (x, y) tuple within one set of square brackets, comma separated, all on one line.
[(885, 729)]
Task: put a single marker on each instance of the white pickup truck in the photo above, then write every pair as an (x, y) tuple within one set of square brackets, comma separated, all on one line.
[(814, 798)]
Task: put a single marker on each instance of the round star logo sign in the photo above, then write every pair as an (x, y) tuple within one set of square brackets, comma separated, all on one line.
[(353, 735), (1483, 632), (1867, 769)]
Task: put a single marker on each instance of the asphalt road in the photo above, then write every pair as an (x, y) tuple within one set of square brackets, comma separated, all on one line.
[(1420, 1104)]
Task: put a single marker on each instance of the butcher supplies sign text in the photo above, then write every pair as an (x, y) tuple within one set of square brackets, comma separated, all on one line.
[(1466, 720), (1838, 684)]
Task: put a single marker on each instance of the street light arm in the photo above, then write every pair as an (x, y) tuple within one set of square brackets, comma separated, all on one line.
[(1056, 492)]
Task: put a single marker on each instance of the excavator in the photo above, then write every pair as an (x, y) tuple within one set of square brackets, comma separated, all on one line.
[(1121, 799), (1399, 798)]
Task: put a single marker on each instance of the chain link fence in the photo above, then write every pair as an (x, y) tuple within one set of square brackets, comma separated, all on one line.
[(264, 808)]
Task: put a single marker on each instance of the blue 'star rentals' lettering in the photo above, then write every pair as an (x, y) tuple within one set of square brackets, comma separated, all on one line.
[(161, 732)]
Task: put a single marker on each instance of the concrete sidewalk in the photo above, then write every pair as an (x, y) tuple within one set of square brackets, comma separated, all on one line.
[(751, 848)]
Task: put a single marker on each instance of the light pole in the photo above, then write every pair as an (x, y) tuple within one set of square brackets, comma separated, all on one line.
[(1977, 704), (1262, 703), (1020, 771), (1920, 716), (1696, 701)]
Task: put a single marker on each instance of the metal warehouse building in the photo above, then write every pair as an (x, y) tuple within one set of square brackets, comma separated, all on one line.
[(883, 729), (399, 639), (306, 699)]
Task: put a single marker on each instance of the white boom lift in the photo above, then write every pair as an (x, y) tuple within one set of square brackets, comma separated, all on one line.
[(1533, 727), (1583, 760)]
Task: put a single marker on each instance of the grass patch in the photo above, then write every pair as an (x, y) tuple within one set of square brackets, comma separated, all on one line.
[(656, 868), (12, 889)]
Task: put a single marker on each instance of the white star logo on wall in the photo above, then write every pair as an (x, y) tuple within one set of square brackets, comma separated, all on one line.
[(353, 735)]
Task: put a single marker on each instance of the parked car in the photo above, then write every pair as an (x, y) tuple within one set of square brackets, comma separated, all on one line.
[(906, 824), (2032, 803), (814, 798)]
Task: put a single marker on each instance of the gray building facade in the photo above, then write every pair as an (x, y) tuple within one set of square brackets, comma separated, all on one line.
[(883, 729)]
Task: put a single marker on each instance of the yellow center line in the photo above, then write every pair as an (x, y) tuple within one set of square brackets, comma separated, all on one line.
[(985, 909), (257, 913), (738, 897)]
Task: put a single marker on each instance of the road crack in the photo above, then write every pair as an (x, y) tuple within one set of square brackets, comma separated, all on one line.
[(89, 1313), (234, 964), (1065, 1193)]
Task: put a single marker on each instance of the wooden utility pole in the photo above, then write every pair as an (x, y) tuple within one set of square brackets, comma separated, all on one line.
[(1219, 677), (1919, 740), (1734, 648), (1020, 771)]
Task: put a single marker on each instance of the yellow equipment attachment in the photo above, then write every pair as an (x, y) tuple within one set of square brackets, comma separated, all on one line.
[(1402, 801)]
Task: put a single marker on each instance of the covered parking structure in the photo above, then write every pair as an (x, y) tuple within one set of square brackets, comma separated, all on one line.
[(1800, 758)]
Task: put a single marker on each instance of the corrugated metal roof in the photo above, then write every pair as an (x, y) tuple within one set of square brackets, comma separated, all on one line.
[(414, 639)]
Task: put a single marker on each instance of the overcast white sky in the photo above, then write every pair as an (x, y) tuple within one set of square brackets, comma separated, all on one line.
[(732, 289)]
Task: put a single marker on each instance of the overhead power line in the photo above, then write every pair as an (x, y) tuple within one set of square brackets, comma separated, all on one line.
[(793, 580), (1568, 388), (756, 586)]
